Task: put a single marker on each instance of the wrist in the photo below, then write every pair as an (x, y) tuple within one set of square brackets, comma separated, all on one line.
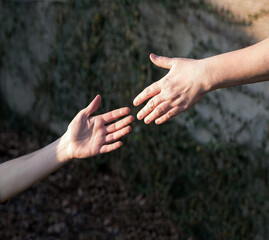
[(206, 75), (216, 72), (64, 151)]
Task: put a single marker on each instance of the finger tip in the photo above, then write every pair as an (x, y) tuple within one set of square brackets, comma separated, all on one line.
[(125, 111), (153, 56), (98, 98), (135, 103)]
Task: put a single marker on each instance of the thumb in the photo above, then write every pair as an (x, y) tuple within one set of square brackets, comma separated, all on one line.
[(164, 62), (93, 106)]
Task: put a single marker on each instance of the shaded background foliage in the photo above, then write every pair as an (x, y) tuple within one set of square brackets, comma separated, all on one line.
[(212, 191)]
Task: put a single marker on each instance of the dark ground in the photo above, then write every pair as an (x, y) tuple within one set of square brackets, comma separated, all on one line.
[(74, 203)]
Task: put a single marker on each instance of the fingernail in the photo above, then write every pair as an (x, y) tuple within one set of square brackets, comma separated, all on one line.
[(139, 116), (153, 55), (135, 102), (147, 121)]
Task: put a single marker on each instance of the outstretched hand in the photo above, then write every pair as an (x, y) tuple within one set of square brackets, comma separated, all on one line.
[(91, 135), (176, 92)]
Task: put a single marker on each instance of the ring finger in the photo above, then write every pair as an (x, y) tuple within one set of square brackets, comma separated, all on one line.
[(119, 124), (158, 111), (117, 135)]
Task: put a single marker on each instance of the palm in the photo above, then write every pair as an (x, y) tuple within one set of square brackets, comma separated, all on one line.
[(89, 136)]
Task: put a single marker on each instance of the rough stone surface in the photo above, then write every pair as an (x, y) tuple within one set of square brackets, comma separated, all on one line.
[(242, 8), (18, 94), (30, 46), (164, 30), (239, 114)]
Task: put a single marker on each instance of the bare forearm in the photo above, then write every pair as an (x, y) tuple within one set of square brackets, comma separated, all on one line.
[(86, 136), (21, 173), (248, 65)]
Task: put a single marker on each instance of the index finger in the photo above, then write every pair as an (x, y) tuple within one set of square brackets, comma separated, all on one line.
[(147, 93), (115, 114)]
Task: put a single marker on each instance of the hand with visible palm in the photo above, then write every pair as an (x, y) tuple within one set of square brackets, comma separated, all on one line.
[(88, 135)]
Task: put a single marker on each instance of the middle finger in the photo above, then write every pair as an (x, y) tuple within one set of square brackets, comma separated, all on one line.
[(119, 124), (150, 106)]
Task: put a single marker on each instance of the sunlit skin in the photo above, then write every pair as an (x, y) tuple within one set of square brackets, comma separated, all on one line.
[(88, 136), (85, 137), (189, 80)]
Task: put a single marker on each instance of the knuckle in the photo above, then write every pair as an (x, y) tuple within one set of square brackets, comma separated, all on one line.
[(126, 121), (147, 91), (159, 110), (183, 105), (152, 105), (167, 80), (167, 86), (169, 115)]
